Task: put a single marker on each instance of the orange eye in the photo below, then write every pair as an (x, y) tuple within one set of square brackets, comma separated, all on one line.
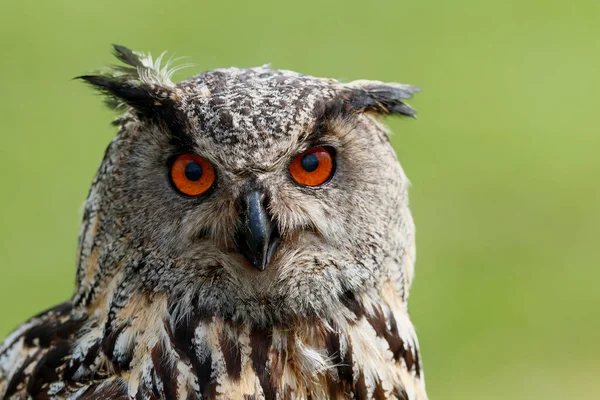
[(314, 167), (192, 175)]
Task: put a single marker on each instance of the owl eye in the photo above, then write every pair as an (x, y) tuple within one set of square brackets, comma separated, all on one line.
[(192, 175), (314, 167)]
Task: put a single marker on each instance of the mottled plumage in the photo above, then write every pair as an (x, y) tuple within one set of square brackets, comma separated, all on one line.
[(167, 306)]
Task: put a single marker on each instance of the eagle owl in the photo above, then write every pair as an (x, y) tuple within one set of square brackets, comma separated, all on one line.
[(247, 236)]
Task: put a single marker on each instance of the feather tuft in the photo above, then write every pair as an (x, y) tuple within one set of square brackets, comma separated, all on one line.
[(382, 98), (143, 83)]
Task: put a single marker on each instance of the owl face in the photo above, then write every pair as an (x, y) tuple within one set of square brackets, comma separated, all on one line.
[(259, 194)]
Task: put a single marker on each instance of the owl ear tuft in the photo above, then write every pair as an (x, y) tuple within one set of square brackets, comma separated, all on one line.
[(142, 83), (379, 97), (142, 97)]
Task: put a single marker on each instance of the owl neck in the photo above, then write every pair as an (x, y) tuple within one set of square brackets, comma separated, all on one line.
[(157, 344)]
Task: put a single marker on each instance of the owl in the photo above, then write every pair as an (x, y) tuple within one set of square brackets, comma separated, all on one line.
[(247, 236)]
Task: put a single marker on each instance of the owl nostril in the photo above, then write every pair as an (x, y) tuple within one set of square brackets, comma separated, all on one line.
[(258, 237)]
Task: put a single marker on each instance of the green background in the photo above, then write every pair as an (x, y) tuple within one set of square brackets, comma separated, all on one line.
[(503, 158)]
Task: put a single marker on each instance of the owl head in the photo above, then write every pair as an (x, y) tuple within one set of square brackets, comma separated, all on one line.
[(257, 194)]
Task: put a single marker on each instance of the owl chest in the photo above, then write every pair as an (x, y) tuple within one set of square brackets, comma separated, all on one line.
[(217, 362)]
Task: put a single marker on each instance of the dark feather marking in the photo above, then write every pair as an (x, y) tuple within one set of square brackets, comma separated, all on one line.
[(71, 369), (395, 342), (417, 363), (345, 371), (49, 331), (379, 392), (360, 389), (377, 321), (92, 354), (400, 394), (149, 390), (114, 390), (182, 334), (165, 370), (182, 338), (392, 336), (110, 339), (349, 300), (408, 358), (343, 366), (204, 373), (233, 357), (88, 360), (154, 386), (18, 376), (260, 342), (46, 370), (43, 332), (332, 342)]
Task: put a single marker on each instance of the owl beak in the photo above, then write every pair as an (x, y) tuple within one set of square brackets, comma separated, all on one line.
[(258, 238)]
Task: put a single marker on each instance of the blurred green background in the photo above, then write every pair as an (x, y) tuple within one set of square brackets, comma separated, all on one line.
[(503, 158)]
